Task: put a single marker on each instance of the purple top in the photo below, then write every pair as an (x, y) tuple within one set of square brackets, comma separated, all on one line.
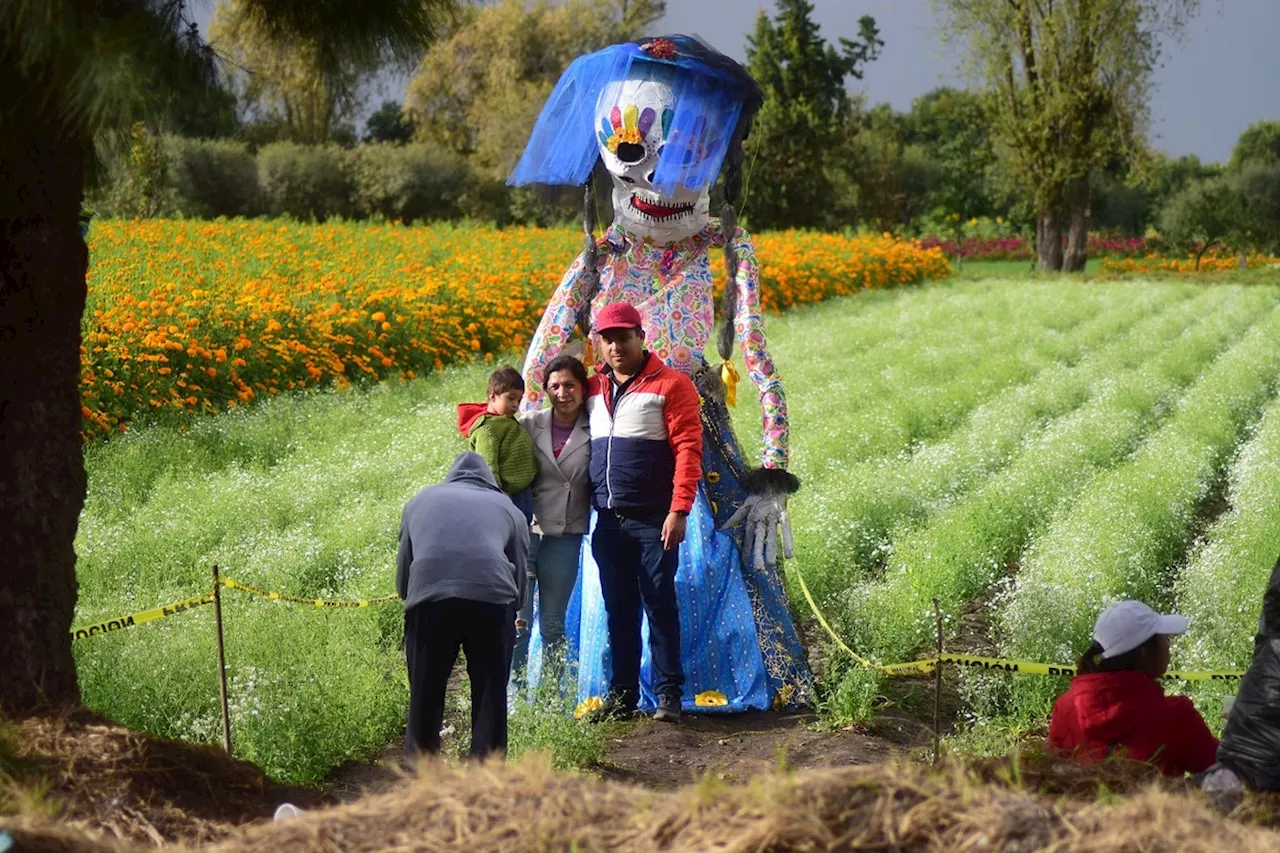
[(559, 436)]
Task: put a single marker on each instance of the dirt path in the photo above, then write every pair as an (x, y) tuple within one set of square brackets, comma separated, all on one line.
[(730, 747), (736, 747)]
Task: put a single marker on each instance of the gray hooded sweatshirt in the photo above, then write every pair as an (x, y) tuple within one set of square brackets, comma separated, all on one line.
[(463, 539)]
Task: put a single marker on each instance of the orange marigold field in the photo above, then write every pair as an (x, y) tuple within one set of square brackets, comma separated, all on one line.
[(197, 316), (1213, 261)]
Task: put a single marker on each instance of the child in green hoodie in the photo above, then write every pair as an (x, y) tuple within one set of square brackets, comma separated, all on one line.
[(494, 433)]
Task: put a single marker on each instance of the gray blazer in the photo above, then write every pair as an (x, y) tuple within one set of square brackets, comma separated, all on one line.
[(562, 489)]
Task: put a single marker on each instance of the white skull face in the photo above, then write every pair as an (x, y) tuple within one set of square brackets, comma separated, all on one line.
[(632, 119)]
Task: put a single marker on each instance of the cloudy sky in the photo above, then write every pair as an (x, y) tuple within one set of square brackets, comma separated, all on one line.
[(1224, 75)]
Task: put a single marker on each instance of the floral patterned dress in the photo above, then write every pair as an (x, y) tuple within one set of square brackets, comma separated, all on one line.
[(738, 643)]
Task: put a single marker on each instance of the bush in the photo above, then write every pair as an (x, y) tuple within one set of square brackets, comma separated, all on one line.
[(213, 177), (305, 181), (407, 182), (486, 199)]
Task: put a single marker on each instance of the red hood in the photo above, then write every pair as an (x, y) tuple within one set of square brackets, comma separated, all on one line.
[(1112, 706), (468, 414)]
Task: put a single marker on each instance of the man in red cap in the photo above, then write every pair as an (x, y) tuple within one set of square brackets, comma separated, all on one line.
[(646, 461)]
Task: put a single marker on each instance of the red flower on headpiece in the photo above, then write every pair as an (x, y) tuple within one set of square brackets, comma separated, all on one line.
[(660, 49)]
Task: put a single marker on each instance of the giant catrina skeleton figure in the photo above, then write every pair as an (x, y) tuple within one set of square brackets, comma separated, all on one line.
[(665, 115)]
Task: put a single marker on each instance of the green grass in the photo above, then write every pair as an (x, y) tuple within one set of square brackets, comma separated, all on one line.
[(911, 411), (1017, 270)]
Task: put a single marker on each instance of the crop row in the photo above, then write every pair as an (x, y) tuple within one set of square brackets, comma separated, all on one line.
[(914, 386), (1125, 532), (884, 494), (876, 494), (960, 552), (1220, 589)]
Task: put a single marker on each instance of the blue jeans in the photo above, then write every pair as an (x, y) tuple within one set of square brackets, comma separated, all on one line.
[(635, 571), (553, 565)]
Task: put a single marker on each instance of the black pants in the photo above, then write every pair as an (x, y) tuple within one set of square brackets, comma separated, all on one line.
[(433, 633)]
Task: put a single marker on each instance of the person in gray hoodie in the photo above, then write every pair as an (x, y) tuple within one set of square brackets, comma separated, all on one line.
[(461, 570)]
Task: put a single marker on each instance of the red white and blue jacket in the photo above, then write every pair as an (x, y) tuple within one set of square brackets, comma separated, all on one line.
[(646, 440)]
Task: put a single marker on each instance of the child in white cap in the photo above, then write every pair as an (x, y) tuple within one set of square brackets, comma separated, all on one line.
[(1116, 706)]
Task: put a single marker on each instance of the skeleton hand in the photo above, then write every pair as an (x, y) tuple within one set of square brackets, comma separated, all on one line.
[(765, 516)]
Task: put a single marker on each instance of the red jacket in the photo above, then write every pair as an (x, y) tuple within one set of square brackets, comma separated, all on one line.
[(1127, 713), (646, 444)]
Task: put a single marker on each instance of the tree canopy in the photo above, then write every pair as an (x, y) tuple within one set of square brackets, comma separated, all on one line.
[(1259, 143), (279, 79), (478, 91), (1069, 83), (801, 133)]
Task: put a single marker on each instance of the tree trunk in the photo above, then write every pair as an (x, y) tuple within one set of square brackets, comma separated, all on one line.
[(42, 477), (1049, 240), (1078, 225), (1244, 259)]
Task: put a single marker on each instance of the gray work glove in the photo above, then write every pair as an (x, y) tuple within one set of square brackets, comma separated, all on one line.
[(765, 519)]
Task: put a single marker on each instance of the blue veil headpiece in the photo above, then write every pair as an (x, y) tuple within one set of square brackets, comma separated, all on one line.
[(715, 100)]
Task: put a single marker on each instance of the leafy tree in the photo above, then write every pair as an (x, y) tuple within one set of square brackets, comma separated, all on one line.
[(1256, 185), (388, 124), (283, 80), (69, 69), (1260, 142), (897, 180), (935, 160), (1118, 203), (1167, 177), (1069, 82), (206, 113), (953, 129), (1202, 215), (479, 91), (803, 127)]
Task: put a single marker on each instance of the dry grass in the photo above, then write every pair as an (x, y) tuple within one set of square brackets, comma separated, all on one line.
[(528, 807), (113, 780), (115, 784)]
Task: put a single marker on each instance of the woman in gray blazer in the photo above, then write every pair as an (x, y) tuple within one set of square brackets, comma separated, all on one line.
[(561, 506)]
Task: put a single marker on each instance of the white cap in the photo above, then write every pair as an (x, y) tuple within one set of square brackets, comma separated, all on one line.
[(1125, 625), (286, 811)]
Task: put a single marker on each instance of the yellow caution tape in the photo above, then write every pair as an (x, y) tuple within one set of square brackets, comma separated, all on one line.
[(109, 625), (313, 602), (822, 620), (926, 666)]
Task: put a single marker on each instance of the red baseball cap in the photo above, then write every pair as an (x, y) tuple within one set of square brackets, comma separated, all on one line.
[(618, 315)]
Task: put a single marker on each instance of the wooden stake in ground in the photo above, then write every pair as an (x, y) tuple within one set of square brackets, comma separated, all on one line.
[(222, 661), (937, 690)]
